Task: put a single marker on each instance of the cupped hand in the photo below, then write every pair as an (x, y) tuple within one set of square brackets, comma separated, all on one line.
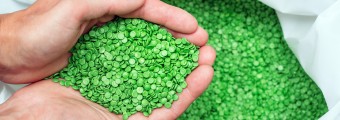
[(35, 42), (48, 100)]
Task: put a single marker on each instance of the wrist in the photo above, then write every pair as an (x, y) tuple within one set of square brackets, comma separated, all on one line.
[(3, 61), (9, 46), (23, 55)]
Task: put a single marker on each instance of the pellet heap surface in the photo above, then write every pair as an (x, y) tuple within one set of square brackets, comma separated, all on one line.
[(129, 66), (256, 74)]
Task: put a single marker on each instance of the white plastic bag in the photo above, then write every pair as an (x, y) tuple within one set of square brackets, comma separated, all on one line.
[(312, 30), (5, 92), (8, 6)]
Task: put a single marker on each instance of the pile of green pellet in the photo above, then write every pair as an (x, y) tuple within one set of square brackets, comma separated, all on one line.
[(256, 74), (129, 66)]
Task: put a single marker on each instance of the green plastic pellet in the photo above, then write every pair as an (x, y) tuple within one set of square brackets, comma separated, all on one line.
[(140, 97), (134, 94), (163, 53), (172, 49), (141, 60), (132, 34), (107, 95), (146, 74), (125, 116), (119, 58), (132, 61), (151, 80), (86, 81), (126, 57), (184, 85), (118, 81), (153, 86), (183, 71), (139, 107), (140, 89), (169, 84), (86, 37), (163, 100), (120, 35), (137, 55), (146, 113), (55, 80), (145, 102), (167, 105), (159, 36), (179, 89), (195, 58), (115, 97), (175, 97), (108, 56)]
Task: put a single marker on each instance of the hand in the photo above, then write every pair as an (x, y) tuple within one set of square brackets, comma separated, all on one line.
[(43, 51), (48, 100), (34, 43)]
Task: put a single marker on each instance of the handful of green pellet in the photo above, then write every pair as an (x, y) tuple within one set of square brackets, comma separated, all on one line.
[(129, 66)]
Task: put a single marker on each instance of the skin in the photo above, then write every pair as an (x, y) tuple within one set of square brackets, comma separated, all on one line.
[(54, 27)]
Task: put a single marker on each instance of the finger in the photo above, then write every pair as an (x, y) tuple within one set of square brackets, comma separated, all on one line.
[(105, 19), (29, 76), (197, 81), (138, 116), (91, 9), (42, 5), (206, 56), (199, 37), (88, 26), (84, 10), (169, 16), (98, 22)]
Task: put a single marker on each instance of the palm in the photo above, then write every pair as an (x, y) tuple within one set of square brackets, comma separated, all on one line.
[(48, 100)]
